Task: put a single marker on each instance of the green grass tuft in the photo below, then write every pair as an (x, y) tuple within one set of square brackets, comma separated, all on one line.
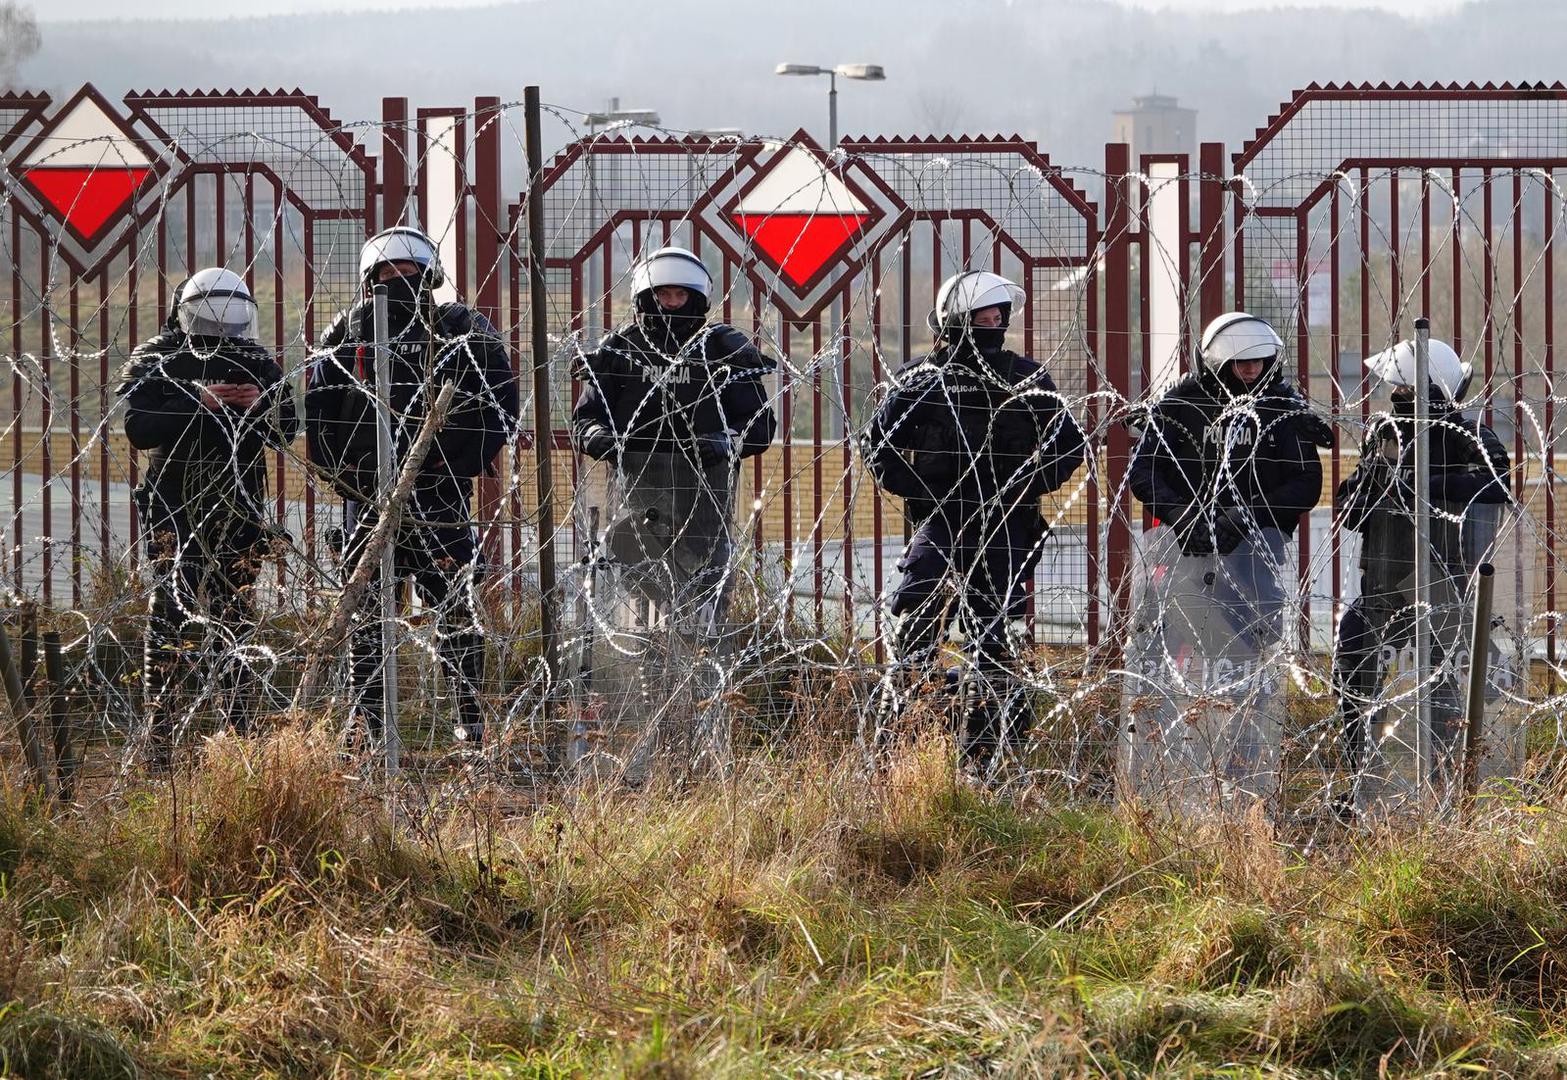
[(44, 1045)]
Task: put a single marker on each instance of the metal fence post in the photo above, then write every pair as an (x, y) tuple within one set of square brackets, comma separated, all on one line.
[(386, 469), (1424, 744), (1212, 185), (488, 230), (394, 161), (1118, 365)]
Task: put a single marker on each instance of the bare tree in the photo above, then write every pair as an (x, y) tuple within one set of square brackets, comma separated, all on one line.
[(940, 109), (19, 39)]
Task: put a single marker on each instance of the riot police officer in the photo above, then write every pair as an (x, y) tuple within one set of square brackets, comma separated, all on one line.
[(971, 437), (1228, 458), (670, 404), (208, 401), (1227, 465), (1468, 469), (673, 403), (431, 343)]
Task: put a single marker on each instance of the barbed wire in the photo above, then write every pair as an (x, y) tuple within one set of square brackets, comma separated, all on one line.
[(716, 595)]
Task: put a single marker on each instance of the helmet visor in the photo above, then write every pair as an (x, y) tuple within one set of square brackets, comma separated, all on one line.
[(221, 313)]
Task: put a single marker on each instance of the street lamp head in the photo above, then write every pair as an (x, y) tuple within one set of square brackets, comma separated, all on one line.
[(800, 69), (865, 72)]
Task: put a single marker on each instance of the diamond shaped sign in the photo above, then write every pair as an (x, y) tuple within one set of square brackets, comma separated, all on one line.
[(85, 166), (800, 216)]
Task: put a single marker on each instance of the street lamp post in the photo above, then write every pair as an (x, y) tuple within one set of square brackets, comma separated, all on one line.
[(862, 72)]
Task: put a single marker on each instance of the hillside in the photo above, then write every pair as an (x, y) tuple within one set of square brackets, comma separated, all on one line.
[(1050, 69)]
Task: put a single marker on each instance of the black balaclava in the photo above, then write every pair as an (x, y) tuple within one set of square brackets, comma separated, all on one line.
[(1404, 404), (985, 340), (668, 330), (1265, 378), (408, 302)]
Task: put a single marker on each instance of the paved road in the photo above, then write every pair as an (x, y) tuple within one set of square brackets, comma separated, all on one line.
[(1061, 588)]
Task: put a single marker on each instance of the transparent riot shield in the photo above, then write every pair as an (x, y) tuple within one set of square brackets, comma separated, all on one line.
[(649, 604), (1203, 688), (1410, 760), (1501, 753)]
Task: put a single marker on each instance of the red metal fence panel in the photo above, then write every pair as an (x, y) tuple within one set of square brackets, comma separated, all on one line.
[(1353, 210)]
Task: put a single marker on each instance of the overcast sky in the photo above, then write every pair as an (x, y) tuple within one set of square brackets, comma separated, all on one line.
[(52, 10)]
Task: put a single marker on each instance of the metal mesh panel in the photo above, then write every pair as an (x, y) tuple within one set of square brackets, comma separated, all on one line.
[(1354, 215)]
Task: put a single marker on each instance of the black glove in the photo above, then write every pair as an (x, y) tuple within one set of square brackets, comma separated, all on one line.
[(275, 535), (1364, 489), (714, 448), (1230, 527), (1471, 483), (1191, 526), (1315, 430), (599, 443)]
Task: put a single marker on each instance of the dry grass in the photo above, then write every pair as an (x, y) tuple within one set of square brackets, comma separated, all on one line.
[(264, 916)]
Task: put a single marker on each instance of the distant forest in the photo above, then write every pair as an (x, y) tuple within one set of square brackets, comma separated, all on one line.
[(1052, 70)]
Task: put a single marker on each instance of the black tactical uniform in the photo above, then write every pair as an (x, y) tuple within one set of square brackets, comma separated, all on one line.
[(971, 440), (1221, 462), (203, 508), (435, 542), (1233, 468), (674, 404), (1468, 466)]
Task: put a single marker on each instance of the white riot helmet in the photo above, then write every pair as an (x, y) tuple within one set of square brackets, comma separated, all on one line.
[(402, 243), (215, 303), (1234, 336), (671, 266), (1447, 371), (972, 290)]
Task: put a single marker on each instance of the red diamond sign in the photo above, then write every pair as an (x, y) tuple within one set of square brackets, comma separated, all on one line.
[(85, 166), (799, 215)]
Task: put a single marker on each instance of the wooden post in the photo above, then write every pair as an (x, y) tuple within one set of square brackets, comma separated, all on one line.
[(66, 763), (543, 425), (32, 746)]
